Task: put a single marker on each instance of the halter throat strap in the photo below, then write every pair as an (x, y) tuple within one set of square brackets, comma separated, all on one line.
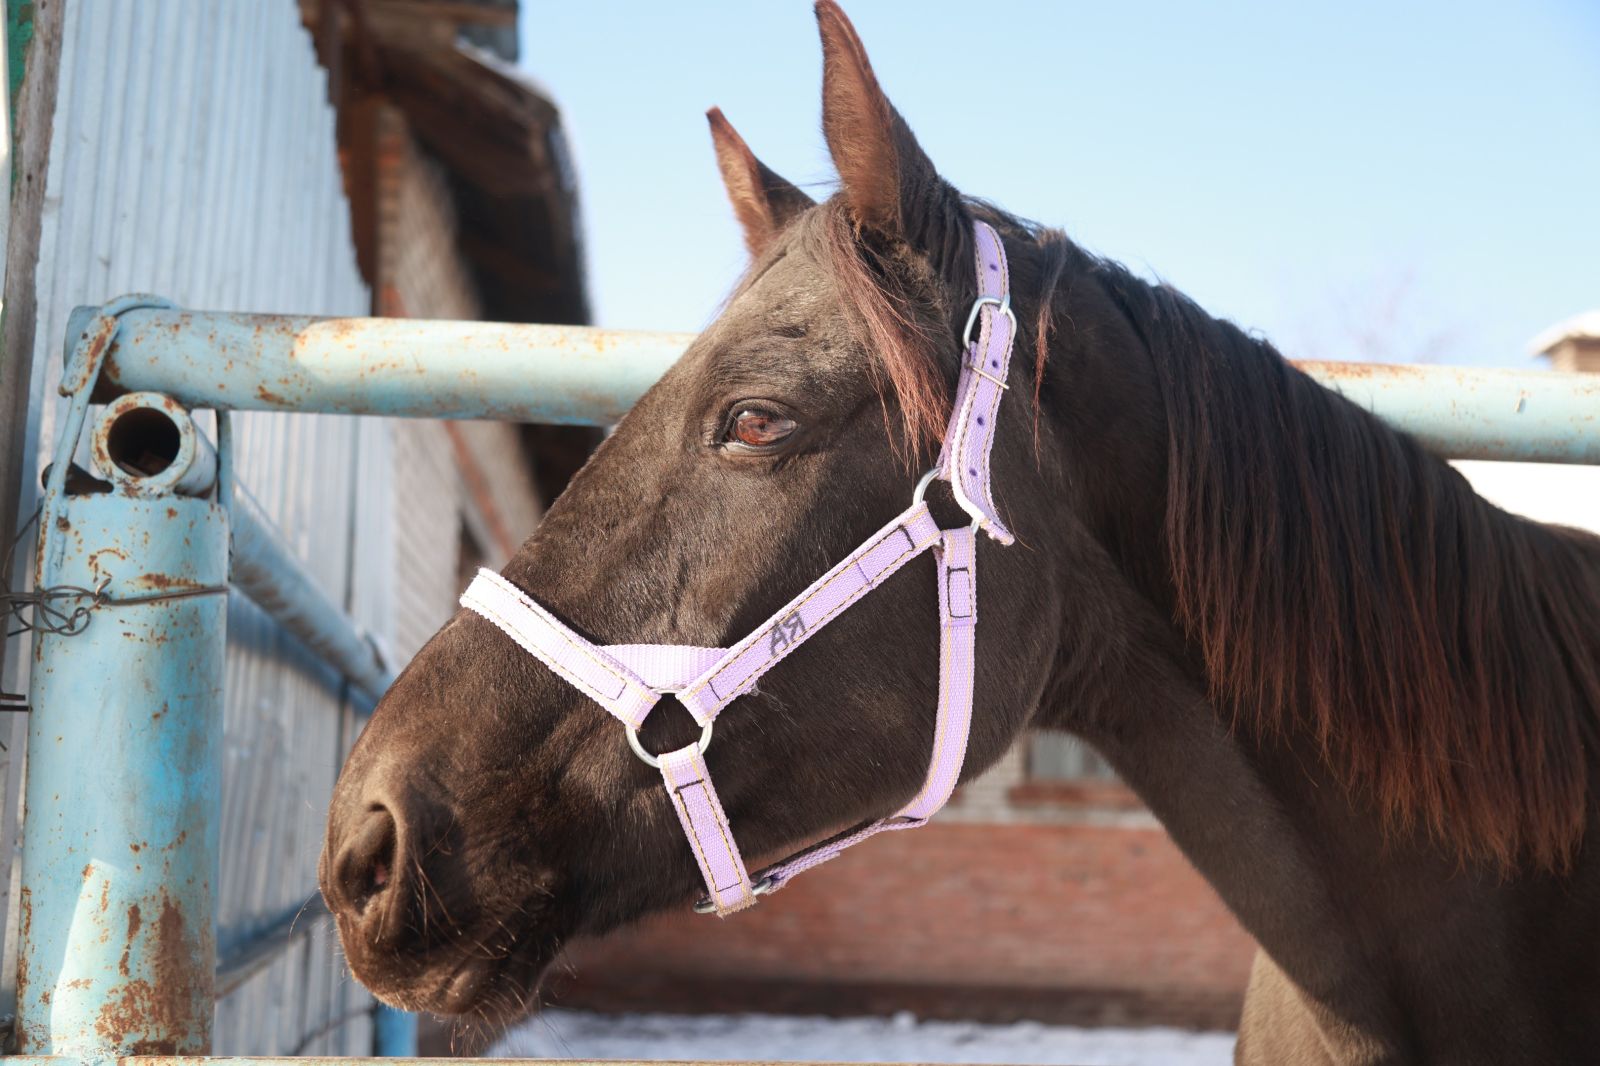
[(628, 680)]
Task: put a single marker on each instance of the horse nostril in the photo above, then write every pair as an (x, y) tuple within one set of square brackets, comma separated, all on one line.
[(365, 865)]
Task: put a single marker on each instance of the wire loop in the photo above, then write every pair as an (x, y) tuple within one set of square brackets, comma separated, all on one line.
[(66, 610)]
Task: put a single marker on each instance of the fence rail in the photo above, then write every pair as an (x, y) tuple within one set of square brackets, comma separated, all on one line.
[(581, 375)]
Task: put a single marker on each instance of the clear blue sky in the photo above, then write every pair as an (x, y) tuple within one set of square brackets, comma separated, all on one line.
[(1363, 180)]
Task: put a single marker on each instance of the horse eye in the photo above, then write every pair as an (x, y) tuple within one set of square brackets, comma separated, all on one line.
[(760, 429)]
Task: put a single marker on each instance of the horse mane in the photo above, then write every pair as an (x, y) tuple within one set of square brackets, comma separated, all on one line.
[(1334, 576), (1338, 578)]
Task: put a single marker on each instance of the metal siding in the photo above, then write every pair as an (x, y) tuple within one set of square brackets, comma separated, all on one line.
[(193, 156)]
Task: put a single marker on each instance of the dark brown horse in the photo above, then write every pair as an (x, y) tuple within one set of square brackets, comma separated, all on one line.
[(1361, 699)]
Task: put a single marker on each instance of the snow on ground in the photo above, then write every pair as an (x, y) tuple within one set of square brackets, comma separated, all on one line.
[(556, 1034)]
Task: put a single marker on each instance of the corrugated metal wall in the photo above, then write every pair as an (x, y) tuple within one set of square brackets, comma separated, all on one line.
[(193, 156)]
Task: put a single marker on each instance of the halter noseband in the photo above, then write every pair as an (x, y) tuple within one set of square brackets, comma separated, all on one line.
[(627, 680)]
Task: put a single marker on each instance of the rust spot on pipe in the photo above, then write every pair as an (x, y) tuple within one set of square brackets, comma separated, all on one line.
[(164, 582), (135, 919), (97, 344), (97, 560), (1335, 370), (166, 1014), (25, 933)]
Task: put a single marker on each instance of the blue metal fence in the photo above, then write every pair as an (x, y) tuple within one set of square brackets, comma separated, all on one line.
[(118, 955)]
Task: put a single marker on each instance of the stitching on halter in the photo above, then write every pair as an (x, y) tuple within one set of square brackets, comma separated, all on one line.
[(763, 630), (694, 833), (512, 629)]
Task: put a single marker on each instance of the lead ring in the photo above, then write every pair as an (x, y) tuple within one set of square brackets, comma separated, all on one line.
[(655, 763)]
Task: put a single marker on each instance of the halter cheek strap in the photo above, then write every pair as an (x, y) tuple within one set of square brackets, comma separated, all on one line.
[(964, 460), (627, 680)]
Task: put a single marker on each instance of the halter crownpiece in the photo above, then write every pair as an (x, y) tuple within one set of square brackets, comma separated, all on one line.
[(628, 680)]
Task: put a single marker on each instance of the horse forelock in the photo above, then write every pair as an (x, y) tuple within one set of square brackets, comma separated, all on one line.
[(903, 303), (894, 321)]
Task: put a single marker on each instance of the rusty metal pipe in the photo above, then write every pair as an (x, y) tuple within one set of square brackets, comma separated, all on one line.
[(266, 570), (146, 444), (1470, 413), (248, 955), (572, 374), (116, 953), (377, 366)]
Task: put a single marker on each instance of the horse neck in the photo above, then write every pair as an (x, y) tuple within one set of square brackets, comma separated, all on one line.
[(1143, 704), (1101, 435), (1316, 870)]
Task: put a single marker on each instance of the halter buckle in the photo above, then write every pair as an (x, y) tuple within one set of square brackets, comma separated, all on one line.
[(650, 760), (767, 884), (1001, 302)]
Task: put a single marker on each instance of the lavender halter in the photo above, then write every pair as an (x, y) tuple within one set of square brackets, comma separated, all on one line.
[(627, 680)]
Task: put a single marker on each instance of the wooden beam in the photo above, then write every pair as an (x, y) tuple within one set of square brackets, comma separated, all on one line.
[(461, 12), (510, 266)]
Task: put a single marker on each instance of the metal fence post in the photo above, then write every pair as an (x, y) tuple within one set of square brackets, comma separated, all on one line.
[(117, 948), (394, 1034)]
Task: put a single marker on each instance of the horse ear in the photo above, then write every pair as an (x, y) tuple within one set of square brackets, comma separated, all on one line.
[(888, 180), (763, 202)]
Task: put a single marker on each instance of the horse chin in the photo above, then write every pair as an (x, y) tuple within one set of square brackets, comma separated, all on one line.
[(490, 989)]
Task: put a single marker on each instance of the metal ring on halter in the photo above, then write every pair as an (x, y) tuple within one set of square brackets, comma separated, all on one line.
[(650, 760), (703, 905), (1003, 303), (922, 489)]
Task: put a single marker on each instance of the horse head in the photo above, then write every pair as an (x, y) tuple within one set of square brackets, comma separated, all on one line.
[(490, 810)]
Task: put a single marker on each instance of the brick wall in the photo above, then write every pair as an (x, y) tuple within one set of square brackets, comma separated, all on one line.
[(420, 274), (451, 476), (1083, 923)]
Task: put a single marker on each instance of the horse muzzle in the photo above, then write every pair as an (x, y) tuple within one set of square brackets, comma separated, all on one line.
[(397, 876)]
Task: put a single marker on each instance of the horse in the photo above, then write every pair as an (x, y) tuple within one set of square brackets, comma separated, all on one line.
[(1362, 700)]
